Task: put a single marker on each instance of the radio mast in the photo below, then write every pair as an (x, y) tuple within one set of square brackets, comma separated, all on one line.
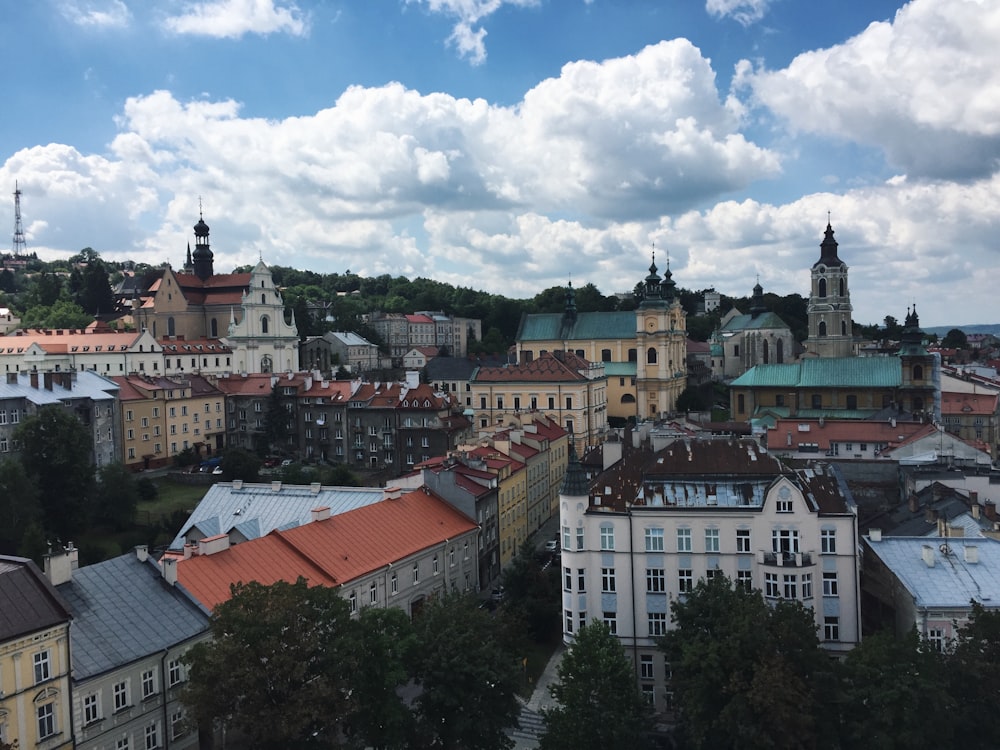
[(19, 244)]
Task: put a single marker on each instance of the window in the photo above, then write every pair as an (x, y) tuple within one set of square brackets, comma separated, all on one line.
[(579, 537), (174, 673), (685, 580), (416, 574), (394, 584), (46, 715), (607, 580), (152, 737), (120, 693), (565, 537), (711, 540), (148, 683), (742, 540), (654, 540), (122, 744), (568, 617), (435, 567), (807, 585), (569, 402), (607, 538), (828, 541), (785, 541), (656, 580), (771, 585), (744, 578), (176, 724), (647, 693), (831, 628), (646, 667), (43, 666), (91, 708), (683, 540), (583, 619), (611, 620), (581, 579), (784, 505), (935, 637), (657, 623), (352, 601), (830, 584), (791, 587), (567, 579)]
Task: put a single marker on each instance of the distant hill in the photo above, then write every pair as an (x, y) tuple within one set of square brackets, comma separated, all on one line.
[(993, 328)]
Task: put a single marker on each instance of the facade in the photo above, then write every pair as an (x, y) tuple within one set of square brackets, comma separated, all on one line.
[(164, 416), (401, 333), (103, 351), (646, 530), (829, 308), (8, 321), (973, 417), (746, 340), (645, 350), (208, 357), (35, 652), (129, 635), (340, 348), (92, 399), (567, 388)]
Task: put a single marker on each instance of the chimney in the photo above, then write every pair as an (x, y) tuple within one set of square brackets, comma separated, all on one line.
[(213, 544), (971, 554), (975, 510), (321, 513), (59, 566), (142, 553), (169, 565), (930, 515), (47, 380), (237, 484), (914, 503), (392, 493), (189, 550), (11, 378), (315, 487), (942, 526), (973, 497), (276, 486), (874, 535), (34, 379), (928, 555), (990, 509)]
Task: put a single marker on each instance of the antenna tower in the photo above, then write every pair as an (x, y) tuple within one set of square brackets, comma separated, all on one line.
[(19, 244)]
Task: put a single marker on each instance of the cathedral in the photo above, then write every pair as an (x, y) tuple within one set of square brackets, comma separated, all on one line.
[(243, 310)]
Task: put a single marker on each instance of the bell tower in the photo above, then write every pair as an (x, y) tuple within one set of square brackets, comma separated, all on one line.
[(829, 309)]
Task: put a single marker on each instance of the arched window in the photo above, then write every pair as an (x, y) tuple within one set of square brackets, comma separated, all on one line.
[(215, 328), (651, 355), (264, 322), (765, 352), (263, 299), (780, 351), (822, 287), (628, 398), (843, 287), (633, 355), (171, 331), (822, 328), (843, 328), (266, 364), (918, 372)]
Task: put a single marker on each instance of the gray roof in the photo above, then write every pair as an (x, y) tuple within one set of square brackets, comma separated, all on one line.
[(28, 602), (87, 384), (459, 368), (748, 322), (123, 610), (255, 510), (952, 581), (348, 338)]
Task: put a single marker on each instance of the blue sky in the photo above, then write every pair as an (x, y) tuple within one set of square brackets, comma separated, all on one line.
[(509, 145)]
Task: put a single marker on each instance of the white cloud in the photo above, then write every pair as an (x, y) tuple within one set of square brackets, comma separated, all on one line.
[(466, 36), (923, 88), (232, 19), (745, 12), (101, 14)]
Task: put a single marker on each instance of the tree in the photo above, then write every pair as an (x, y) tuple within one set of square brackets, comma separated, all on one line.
[(747, 673), (277, 667), (974, 671), (60, 314), (531, 594), (118, 491), (386, 644), (599, 703), (19, 502), (57, 452), (240, 464), (469, 675), (955, 339), (275, 430)]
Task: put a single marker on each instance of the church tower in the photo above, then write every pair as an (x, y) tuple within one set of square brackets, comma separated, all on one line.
[(829, 309), (661, 351), (202, 258)]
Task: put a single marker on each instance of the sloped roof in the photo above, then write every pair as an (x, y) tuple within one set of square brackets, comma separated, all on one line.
[(330, 552), (258, 509), (589, 326), (218, 289), (749, 322), (459, 368), (123, 610), (548, 367), (968, 403), (825, 372), (28, 602)]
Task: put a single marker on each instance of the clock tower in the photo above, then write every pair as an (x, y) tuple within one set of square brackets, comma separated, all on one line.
[(661, 346)]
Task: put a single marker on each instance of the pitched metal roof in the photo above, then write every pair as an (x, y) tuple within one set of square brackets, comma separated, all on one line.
[(123, 610), (28, 602), (588, 326), (826, 372)]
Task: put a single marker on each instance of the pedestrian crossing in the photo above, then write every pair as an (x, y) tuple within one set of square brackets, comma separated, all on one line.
[(530, 726)]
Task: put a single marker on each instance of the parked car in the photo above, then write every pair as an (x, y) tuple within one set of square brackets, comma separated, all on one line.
[(552, 545)]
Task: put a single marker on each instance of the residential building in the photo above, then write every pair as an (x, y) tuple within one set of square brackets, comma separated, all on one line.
[(401, 333), (162, 417), (452, 375), (642, 533), (35, 709), (395, 553), (336, 349), (843, 439), (208, 357), (649, 345), (91, 398), (8, 321), (928, 583), (418, 357), (254, 398), (973, 417), (129, 635), (562, 385), (99, 350)]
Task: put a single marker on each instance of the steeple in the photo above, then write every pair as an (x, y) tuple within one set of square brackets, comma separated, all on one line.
[(570, 313), (828, 249), (202, 256), (575, 481), (757, 301), (652, 296)]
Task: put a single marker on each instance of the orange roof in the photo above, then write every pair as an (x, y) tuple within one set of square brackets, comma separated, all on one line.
[(330, 552), (547, 367), (839, 431), (968, 403)]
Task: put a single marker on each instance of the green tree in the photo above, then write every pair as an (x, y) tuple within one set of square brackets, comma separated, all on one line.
[(118, 496), (469, 674), (893, 697), (385, 645), (599, 703), (748, 674), (974, 672), (19, 502), (531, 594), (275, 430), (240, 464), (57, 452), (60, 314), (278, 666), (955, 339)]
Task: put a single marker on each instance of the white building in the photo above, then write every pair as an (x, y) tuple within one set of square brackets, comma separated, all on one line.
[(647, 529)]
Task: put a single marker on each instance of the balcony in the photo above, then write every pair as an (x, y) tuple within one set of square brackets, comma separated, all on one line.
[(785, 559)]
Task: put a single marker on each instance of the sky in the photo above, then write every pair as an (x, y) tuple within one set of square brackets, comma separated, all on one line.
[(514, 145)]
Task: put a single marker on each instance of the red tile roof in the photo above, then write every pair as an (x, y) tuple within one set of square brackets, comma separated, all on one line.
[(547, 367), (330, 552)]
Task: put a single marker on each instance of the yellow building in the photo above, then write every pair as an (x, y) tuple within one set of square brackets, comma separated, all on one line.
[(34, 659)]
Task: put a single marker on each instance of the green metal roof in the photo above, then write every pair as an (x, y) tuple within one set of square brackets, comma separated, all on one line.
[(826, 372), (619, 369), (589, 326), (754, 322)]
